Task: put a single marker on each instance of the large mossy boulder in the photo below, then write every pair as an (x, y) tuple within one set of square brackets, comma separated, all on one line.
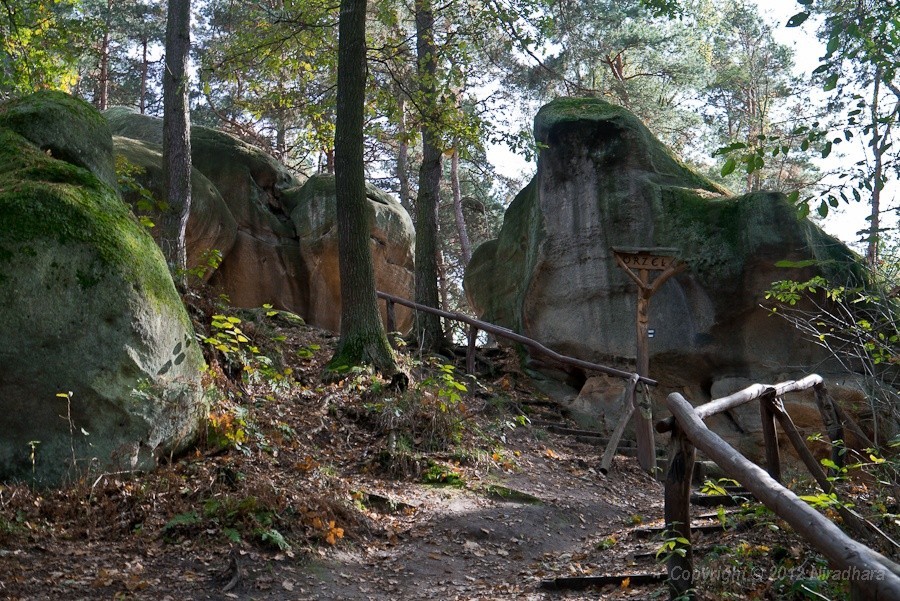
[(276, 232), (261, 259), (604, 181), (88, 308), (58, 124)]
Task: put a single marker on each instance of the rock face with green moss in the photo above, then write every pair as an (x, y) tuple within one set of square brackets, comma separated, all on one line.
[(277, 234), (88, 308), (604, 181)]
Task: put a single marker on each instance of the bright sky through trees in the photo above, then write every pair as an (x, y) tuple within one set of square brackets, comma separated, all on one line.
[(843, 222)]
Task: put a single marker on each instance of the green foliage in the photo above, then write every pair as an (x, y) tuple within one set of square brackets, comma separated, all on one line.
[(751, 84), (443, 475), (227, 337), (235, 518), (673, 544), (607, 543), (182, 521), (273, 538), (618, 50), (430, 415), (717, 487), (127, 174), (821, 500), (287, 54), (134, 32), (39, 44), (863, 318), (210, 259)]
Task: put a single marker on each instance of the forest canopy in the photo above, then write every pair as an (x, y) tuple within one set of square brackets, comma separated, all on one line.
[(712, 81)]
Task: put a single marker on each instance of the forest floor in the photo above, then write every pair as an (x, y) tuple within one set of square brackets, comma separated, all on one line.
[(307, 488)]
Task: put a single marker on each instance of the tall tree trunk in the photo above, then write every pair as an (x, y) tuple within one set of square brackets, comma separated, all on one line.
[(465, 246), (363, 339), (103, 92), (403, 154), (145, 67), (177, 136), (877, 176), (427, 326)]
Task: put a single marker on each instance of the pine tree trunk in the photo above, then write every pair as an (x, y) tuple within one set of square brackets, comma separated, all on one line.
[(403, 154), (429, 334), (176, 136), (363, 339), (465, 246), (145, 67), (877, 177), (103, 92)]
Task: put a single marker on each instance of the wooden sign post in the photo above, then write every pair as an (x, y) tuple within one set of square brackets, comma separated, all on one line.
[(638, 263)]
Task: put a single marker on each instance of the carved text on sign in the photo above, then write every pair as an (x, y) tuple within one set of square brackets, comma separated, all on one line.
[(646, 261)]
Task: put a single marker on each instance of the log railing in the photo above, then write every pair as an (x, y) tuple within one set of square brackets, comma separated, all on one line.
[(872, 575), (646, 446)]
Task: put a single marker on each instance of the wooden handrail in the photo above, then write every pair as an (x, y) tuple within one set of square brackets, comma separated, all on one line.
[(741, 397), (507, 333), (870, 572)]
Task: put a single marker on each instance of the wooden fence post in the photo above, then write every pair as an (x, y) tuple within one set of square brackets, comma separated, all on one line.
[(773, 456), (832, 424), (680, 564), (391, 318), (629, 397), (853, 522), (873, 574), (470, 350)]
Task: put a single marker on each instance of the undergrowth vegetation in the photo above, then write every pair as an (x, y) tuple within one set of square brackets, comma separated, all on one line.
[(287, 460), (267, 470)]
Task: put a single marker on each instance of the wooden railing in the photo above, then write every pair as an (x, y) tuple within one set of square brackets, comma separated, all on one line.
[(872, 575), (646, 447)]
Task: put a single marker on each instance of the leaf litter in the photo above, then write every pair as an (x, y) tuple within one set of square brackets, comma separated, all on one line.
[(298, 492)]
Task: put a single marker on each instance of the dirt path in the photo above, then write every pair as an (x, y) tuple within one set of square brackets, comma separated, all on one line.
[(443, 542), (463, 544), (470, 542)]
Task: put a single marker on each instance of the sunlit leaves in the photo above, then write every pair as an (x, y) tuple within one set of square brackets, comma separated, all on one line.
[(39, 42)]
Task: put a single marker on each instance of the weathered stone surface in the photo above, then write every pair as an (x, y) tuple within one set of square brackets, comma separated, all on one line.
[(210, 225), (392, 244), (604, 181), (88, 307), (59, 125), (284, 247)]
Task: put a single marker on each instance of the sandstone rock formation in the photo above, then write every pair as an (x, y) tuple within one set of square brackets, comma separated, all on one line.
[(392, 246), (604, 181), (277, 235), (88, 307)]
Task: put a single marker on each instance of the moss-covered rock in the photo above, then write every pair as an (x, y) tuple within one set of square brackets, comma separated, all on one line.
[(604, 181), (67, 128), (261, 260), (284, 249), (89, 307)]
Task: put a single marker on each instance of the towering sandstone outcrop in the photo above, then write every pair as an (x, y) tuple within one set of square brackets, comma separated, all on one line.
[(604, 181)]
